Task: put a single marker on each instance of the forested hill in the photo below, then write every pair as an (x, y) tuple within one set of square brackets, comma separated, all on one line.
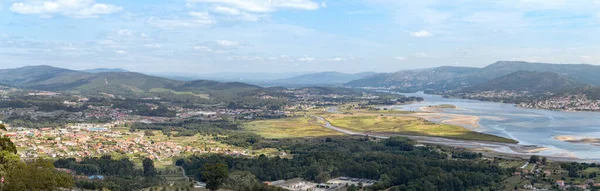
[(50, 78), (527, 81), (322, 78), (447, 78)]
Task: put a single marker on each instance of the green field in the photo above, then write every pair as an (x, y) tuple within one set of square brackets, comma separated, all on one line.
[(512, 164), (407, 126), (290, 128)]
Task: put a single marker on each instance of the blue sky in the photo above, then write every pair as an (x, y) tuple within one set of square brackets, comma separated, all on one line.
[(207, 36)]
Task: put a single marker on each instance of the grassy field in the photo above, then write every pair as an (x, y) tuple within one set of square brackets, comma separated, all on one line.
[(290, 128), (512, 164), (406, 125)]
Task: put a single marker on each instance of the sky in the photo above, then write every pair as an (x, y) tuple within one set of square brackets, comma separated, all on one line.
[(211, 36)]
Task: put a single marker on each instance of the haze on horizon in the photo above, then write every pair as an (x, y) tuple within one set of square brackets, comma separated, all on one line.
[(210, 36)]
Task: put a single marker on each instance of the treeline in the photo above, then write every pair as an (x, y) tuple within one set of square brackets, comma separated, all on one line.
[(574, 169), (45, 105), (387, 100), (395, 162), (119, 174)]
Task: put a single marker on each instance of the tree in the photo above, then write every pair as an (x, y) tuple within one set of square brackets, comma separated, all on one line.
[(534, 159), (149, 169), (544, 160), (352, 188), (148, 133), (214, 175), (2, 127), (37, 175), (7, 145), (240, 180)]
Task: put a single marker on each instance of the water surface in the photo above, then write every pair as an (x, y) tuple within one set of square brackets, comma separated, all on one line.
[(528, 126)]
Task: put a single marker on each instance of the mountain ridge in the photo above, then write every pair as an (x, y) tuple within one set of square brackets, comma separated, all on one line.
[(50, 78)]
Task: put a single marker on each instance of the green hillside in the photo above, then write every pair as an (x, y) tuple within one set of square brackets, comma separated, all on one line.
[(526, 81), (120, 83)]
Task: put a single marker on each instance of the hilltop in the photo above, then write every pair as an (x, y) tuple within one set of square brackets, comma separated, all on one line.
[(526, 81), (50, 78), (321, 78), (446, 77), (452, 78), (104, 70)]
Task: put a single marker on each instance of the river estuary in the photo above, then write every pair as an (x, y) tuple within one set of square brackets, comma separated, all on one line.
[(528, 126)]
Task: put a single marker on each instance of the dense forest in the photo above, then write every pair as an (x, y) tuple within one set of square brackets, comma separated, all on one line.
[(118, 174), (394, 162)]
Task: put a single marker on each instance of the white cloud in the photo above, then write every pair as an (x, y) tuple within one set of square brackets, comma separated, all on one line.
[(420, 55), (235, 14), (152, 46), (306, 59), (125, 32), (71, 8), (202, 16), (227, 43), (421, 34), (400, 58), (244, 58), (226, 10), (121, 52), (203, 49), (337, 59), (249, 17), (324, 4), (263, 6), (199, 19)]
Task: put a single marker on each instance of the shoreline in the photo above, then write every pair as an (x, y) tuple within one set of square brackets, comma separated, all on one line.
[(487, 148), (578, 139), (436, 114)]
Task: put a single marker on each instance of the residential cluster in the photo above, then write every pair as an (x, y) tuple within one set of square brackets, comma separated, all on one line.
[(578, 102), (90, 140)]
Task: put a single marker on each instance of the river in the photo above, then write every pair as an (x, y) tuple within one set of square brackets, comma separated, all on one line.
[(528, 126)]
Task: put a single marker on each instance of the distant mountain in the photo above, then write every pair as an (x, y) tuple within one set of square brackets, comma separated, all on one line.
[(104, 70), (322, 78), (208, 86), (452, 78), (584, 73), (535, 82), (35, 74), (249, 77), (446, 77), (122, 83)]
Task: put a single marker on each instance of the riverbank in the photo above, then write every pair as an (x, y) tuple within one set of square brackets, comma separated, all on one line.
[(578, 139), (436, 114), (407, 124), (488, 149)]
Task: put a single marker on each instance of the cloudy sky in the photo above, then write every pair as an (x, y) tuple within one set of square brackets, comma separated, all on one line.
[(206, 36)]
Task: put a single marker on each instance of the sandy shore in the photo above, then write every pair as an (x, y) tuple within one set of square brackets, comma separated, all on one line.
[(488, 149), (434, 114), (578, 139)]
